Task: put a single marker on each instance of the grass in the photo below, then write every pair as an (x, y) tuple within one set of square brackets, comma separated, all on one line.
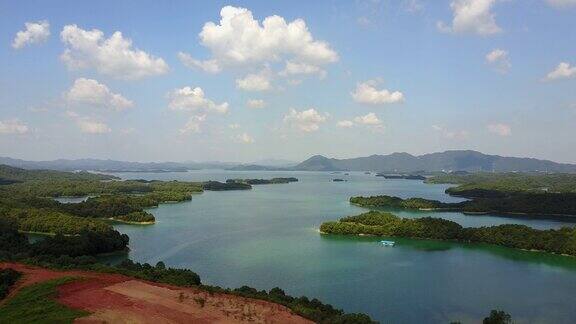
[(37, 304)]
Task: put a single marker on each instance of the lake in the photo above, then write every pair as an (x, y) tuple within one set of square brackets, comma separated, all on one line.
[(268, 237)]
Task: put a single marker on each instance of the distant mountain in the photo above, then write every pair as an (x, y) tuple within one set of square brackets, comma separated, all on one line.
[(442, 161), (112, 165)]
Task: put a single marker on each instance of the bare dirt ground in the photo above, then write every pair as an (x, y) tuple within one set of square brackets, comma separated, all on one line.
[(112, 298)]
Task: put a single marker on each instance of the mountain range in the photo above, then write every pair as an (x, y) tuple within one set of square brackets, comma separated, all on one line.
[(461, 160), (458, 160)]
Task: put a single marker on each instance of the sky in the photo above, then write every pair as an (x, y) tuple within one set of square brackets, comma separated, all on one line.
[(242, 81)]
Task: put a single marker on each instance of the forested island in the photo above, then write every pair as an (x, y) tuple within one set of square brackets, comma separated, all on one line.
[(401, 176), (263, 181), (538, 195), (562, 241)]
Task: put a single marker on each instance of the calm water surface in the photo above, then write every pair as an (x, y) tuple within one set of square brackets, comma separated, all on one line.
[(267, 237)]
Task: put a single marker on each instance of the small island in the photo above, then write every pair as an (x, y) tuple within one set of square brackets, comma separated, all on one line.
[(562, 241), (263, 181), (401, 176)]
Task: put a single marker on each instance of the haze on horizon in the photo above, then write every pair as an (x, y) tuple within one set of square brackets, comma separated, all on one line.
[(249, 80)]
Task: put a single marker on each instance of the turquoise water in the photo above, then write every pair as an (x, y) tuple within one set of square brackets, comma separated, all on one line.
[(267, 237)]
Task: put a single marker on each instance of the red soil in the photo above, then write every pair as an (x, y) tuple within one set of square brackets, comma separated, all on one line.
[(112, 298)]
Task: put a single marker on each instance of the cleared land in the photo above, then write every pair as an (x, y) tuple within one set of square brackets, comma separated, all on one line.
[(116, 298)]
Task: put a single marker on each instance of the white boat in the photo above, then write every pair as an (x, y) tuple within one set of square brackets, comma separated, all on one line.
[(388, 243)]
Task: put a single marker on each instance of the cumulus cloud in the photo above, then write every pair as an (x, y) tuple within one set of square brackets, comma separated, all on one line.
[(93, 127), (34, 32), (562, 71), (472, 17), (88, 125), (243, 138), (367, 93), (13, 126), (561, 3), (451, 134), (239, 39), (193, 125), (255, 82), (306, 120), (499, 60), (210, 66), (345, 123), (295, 68), (114, 56), (368, 119), (500, 129), (256, 103), (91, 92), (194, 100)]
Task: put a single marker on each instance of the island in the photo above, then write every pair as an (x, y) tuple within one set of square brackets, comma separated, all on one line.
[(401, 176), (561, 241), (537, 195), (263, 181)]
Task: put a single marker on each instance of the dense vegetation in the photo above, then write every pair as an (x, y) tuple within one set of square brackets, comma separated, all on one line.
[(8, 278), (484, 202), (561, 241), (37, 304), (262, 181), (509, 182), (220, 186)]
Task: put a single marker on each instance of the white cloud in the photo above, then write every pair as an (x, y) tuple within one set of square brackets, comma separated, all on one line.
[(193, 125), (369, 119), (13, 126), (210, 66), (345, 124), (87, 124), (35, 32), (114, 56), (91, 92), (367, 93), (294, 68), (500, 129), (255, 82), (562, 71), (256, 103), (499, 59), (240, 39), (451, 134), (93, 127), (193, 99), (561, 3), (234, 126), (243, 138), (306, 120), (472, 16)]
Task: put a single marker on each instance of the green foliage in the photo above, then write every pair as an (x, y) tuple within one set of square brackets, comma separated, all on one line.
[(8, 278), (219, 186), (561, 241), (159, 273), (49, 221), (510, 182), (397, 202), (484, 201), (263, 181), (498, 317), (36, 304), (18, 175)]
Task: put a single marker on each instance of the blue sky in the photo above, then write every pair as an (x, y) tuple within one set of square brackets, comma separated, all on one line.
[(339, 78)]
